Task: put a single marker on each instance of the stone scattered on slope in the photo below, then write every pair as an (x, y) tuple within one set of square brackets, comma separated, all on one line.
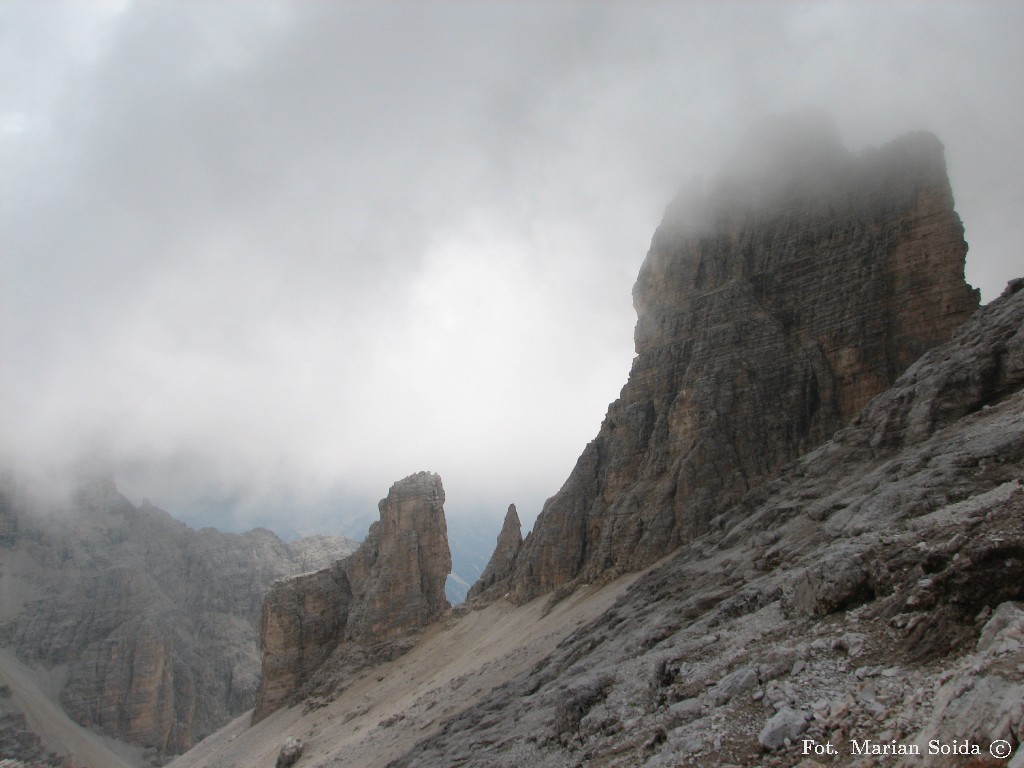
[(290, 752), (782, 728)]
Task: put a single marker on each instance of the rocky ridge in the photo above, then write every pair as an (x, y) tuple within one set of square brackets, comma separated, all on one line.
[(771, 307), (369, 602), (870, 592), (844, 557), (147, 626)]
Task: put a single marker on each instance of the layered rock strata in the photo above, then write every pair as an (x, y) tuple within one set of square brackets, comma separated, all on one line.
[(871, 590), (150, 626), (773, 304), (398, 573), (391, 586)]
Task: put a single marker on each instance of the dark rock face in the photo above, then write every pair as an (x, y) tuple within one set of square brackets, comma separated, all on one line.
[(290, 753), (155, 623), (493, 581), (872, 585), (771, 307), (392, 585)]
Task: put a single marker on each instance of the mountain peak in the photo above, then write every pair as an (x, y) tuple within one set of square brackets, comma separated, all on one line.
[(801, 285), (391, 587)]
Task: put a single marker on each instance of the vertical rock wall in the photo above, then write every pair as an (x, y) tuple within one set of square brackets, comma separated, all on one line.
[(773, 304), (400, 571), (392, 585), (303, 620)]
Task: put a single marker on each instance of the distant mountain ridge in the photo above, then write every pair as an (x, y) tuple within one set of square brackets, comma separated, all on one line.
[(150, 625)]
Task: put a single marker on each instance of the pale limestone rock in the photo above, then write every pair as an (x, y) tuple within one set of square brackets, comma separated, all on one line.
[(786, 724), (732, 685)]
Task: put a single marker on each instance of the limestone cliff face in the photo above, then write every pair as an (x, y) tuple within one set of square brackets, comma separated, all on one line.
[(873, 584), (773, 304), (399, 572), (151, 626), (392, 585), (493, 581), (303, 621)]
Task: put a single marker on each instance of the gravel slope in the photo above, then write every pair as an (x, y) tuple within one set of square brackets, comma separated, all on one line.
[(56, 730)]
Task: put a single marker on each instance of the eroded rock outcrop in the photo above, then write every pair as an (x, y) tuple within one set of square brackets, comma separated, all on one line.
[(871, 590), (303, 621), (150, 625), (391, 586), (398, 573), (773, 304), (493, 581)]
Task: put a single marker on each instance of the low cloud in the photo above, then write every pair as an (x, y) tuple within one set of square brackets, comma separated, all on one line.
[(267, 258)]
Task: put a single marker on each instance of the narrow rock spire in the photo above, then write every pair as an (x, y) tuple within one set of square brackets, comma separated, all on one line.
[(493, 582)]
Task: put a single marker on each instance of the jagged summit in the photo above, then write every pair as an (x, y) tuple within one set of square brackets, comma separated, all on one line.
[(768, 314), (495, 575), (401, 568)]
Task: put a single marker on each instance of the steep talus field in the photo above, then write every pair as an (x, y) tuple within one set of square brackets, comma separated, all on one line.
[(798, 538), (870, 591)]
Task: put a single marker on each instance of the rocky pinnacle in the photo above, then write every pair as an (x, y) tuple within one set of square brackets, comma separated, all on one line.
[(391, 586)]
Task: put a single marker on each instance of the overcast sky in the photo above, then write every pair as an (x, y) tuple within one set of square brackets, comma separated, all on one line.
[(266, 258)]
